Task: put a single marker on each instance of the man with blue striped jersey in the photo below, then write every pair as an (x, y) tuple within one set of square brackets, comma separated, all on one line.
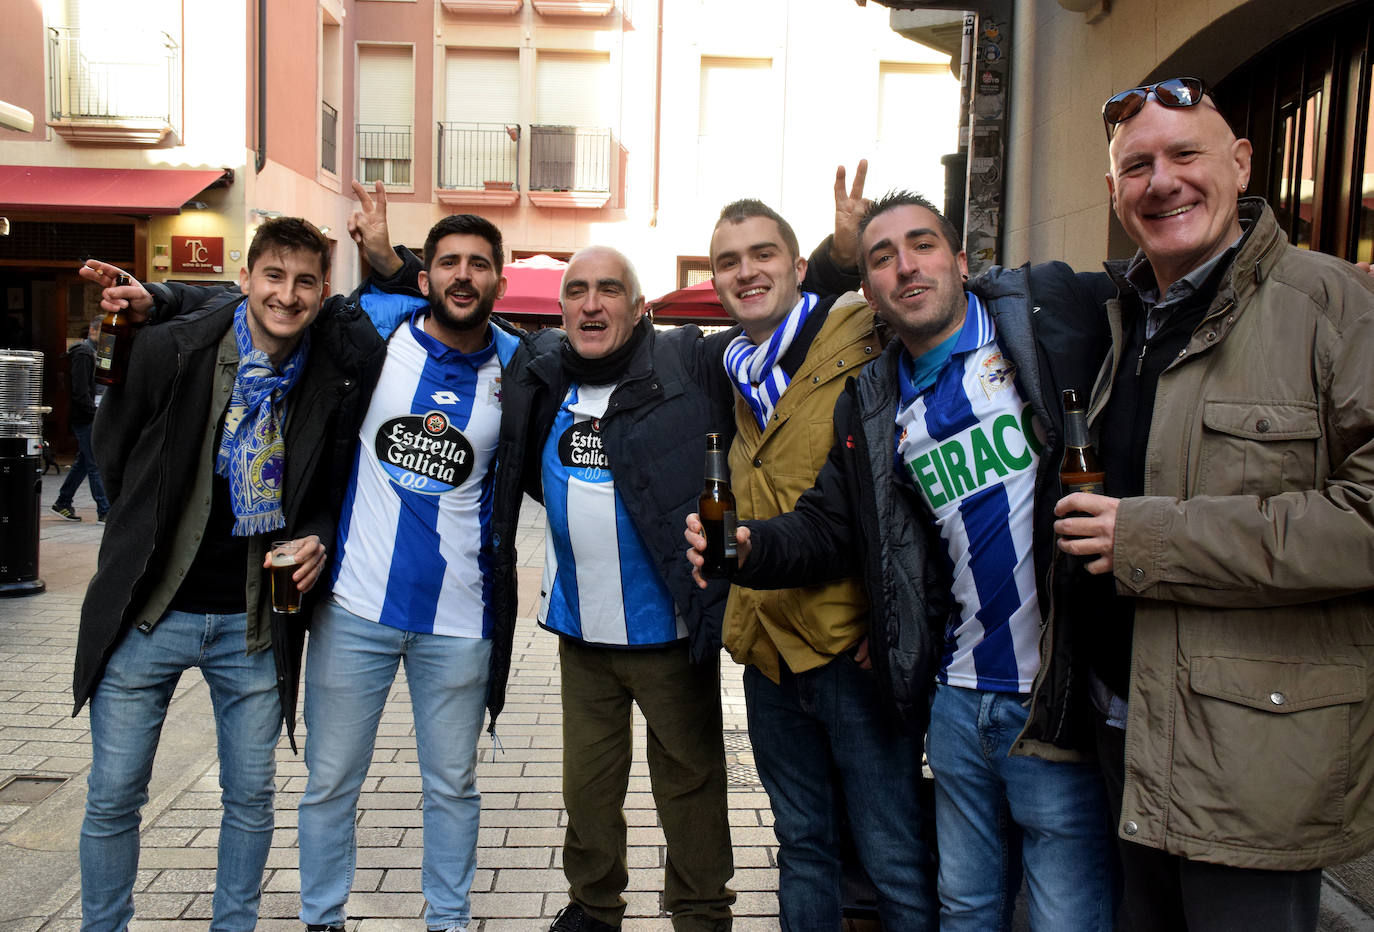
[(414, 579), (939, 486), (616, 423)]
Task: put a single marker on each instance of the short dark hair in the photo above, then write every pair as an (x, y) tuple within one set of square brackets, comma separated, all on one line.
[(902, 198), (465, 225), (745, 208), (289, 234)]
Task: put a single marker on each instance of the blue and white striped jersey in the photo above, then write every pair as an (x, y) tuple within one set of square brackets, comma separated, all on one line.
[(414, 541), (968, 444), (600, 585)]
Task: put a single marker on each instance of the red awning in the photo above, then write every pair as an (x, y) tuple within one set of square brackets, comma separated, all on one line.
[(102, 190), (532, 287), (696, 304)]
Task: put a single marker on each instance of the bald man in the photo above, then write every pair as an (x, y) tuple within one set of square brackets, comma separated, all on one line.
[(613, 446), (1232, 551)]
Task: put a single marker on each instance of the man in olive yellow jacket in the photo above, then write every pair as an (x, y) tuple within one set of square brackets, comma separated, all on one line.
[(818, 722), (1235, 418)]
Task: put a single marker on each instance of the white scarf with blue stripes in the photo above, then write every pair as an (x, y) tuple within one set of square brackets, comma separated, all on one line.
[(754, 367)]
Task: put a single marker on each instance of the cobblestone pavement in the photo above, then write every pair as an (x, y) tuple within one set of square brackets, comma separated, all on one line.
[(519, 883), (45, 752)]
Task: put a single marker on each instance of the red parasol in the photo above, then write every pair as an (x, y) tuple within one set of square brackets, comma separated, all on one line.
[(532, 288), (696, 304)]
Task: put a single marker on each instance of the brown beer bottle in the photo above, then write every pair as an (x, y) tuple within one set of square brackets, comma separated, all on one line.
[(1080, 470), (116, 339), (716, 508)]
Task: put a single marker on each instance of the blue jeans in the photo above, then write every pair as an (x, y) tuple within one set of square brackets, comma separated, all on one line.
[(823, 733), (350, 666), (83, 466), (127, 711), (995, 813)]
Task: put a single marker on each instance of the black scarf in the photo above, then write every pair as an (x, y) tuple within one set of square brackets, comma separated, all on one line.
[(608, 368)]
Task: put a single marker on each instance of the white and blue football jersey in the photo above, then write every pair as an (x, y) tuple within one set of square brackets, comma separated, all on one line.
[(414, 538), (968, 444), (600, 585)]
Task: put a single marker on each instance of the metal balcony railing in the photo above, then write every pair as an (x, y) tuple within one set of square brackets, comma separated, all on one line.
[(329, 138), (384, 153), (570, 158), (108, 77), (479, 155)]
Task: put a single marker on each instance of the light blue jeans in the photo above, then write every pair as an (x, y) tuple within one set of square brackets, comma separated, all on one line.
[(350, 665), (995, 812), (127, 711)]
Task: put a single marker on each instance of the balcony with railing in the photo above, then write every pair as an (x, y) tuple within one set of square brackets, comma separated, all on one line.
[(479, 164), (385, 154), (329, 138), (570, 166), (121, 87)]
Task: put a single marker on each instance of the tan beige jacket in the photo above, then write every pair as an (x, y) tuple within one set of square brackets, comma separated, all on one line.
[(769, 470), (1250, 736)]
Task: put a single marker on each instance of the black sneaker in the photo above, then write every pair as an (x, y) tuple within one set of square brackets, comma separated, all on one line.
[(572, 918), (66, 512), (324, 927), (101, 518)]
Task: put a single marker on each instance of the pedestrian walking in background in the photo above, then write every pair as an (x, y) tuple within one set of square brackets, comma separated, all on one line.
[(80, 415)]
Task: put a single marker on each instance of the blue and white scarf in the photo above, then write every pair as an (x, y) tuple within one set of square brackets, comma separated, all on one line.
[(252, 455), (754, 368)]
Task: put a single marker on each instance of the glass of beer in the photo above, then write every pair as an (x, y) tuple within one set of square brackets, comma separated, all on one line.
[(286, 598)]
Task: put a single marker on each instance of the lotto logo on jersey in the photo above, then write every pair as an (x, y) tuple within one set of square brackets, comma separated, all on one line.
[(582, 454), (424, 453)]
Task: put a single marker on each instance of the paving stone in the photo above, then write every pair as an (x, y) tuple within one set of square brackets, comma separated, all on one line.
[(385, 904)]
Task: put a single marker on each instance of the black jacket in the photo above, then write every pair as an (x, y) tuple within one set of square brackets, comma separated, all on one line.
[(148, 441), (81, 383), (654, 436), (861, 517)]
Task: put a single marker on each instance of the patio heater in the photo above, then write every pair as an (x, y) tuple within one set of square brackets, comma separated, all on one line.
[(21, 469)]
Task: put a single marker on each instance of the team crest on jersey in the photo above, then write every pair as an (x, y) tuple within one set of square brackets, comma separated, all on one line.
[(494, 392), (995, 373), (424, 453), (581, 452)]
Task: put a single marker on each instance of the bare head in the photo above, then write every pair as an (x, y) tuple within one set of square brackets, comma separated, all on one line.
[(1176, 175)]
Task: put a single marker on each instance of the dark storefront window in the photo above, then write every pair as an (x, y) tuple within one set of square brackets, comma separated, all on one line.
[(1305, 105)]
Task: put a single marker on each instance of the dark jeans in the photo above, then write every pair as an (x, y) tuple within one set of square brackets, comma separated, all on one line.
[(83, 466), (1170, 893), (825, 730)]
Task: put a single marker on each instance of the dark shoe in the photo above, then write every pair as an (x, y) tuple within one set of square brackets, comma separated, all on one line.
[(66, 512), (323, 927), (100, 516), (571, 918)]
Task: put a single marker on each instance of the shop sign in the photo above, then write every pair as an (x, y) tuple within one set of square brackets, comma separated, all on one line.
[(198, 254)]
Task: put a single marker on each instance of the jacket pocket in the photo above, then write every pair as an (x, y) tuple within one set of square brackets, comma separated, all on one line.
[(1258, 448), (1262, 750)]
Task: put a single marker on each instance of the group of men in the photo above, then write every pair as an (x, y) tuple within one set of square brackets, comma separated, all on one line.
[(910, 579), (1203, 629)]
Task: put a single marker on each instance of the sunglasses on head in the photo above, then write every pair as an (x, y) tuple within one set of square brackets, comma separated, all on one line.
[(1175, 92)]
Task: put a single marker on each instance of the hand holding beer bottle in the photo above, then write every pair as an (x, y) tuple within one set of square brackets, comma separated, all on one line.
[(294, 567), (1087, 518)]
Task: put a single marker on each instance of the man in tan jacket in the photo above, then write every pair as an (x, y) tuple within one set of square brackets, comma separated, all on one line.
[(1235, 417), (818, 721)]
